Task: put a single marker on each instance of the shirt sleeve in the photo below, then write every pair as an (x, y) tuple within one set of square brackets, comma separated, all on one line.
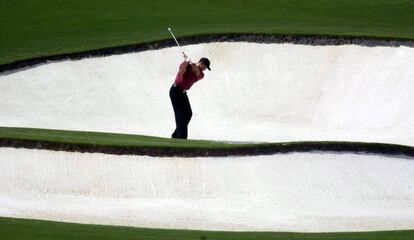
[(181, 65)]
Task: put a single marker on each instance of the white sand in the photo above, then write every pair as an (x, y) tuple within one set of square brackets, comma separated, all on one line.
[(256, 92), (287, 192)]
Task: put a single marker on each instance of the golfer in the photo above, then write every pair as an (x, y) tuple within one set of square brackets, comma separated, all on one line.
[(187, 75)]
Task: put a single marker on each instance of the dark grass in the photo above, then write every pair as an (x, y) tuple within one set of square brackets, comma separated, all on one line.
[(13, 229), (112, 143), (37, 28)]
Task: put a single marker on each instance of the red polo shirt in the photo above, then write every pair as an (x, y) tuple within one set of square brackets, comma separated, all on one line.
[(188, 79)]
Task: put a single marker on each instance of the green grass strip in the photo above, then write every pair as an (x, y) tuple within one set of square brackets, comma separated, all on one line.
[(38, 28), (22, 229), (114, 143), (102, 139)]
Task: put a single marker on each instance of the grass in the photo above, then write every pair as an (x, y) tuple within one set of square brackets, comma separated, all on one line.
[(156, 146), (37, 28), (102, 139), (12, 228)]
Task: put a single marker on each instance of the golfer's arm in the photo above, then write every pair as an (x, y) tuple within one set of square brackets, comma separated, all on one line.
[(196, 70), (183, 67)]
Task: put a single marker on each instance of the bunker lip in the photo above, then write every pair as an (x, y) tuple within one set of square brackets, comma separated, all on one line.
[(249, 150), (312, 40)]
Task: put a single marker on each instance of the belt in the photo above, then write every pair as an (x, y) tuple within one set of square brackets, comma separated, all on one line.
[(175, 85)]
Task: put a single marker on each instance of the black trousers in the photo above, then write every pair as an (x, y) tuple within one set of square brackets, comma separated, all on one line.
[(182, 111)]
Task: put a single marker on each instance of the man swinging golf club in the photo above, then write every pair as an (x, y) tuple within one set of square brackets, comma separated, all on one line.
[(188, 74)]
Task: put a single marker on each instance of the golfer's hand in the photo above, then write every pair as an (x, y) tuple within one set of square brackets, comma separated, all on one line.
[(185, 56), (187, 59)]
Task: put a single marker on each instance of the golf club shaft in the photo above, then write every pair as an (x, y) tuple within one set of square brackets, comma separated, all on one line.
[(172, 34)]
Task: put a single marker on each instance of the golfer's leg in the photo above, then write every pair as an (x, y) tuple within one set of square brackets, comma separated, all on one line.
[(181, 122), (175, 103), (187, 114)]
